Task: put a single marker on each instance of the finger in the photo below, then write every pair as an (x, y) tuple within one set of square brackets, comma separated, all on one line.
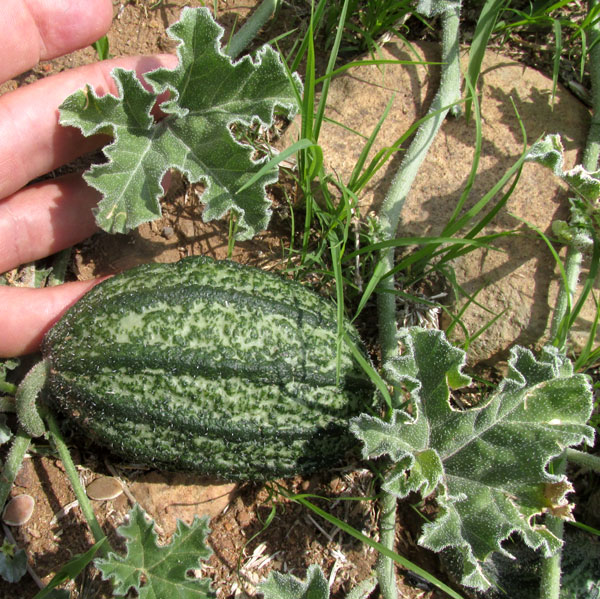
[(34, 30), (27, 314), (45, 218), (32, 142)]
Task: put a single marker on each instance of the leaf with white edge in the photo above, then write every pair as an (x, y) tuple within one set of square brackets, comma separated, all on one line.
[(488, 464), (585, 183), (208, 94), (549, 153), (287, 586), (154, 571)]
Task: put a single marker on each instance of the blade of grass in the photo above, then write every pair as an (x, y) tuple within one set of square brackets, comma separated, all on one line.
[(367, 147), (379, 383), (371, 62), (301, 144), (587, 355), (315, 19), (558, 47), (330, 66), (483, 30)]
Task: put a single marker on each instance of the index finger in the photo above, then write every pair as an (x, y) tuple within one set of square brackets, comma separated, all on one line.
[(34, 30), (32, 142)]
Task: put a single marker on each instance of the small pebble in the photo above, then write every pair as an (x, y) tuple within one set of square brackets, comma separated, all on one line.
[(18, 510), (167, 231), (104, 488)]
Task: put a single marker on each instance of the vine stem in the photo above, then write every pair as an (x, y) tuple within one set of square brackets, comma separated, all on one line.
[(591, 154), (250, 28), (448, 94), (15, 457), (385, 567), (71, 471), (592, 149), (573, 261), (583, 459), (551, 570), (551, 566)]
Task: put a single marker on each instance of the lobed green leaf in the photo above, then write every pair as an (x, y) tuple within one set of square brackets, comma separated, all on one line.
[(488, 464), (287, 586), (157, 571), (207, 94)]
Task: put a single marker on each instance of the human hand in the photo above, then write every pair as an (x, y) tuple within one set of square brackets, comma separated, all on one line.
[(40, 219)]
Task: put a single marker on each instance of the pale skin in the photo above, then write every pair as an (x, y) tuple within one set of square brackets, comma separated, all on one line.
[(41, 219)]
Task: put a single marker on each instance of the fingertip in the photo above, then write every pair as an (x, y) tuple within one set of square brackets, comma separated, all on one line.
[(34, 30), (67, 25), (27, 314)]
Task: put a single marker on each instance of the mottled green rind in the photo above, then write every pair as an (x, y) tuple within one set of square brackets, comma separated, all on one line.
[(208, 366)]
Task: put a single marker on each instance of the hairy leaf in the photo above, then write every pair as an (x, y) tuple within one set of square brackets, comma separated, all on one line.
[(489, 464), (208, 94), (549, 153), (154, 571), (13, 562), (286, 586)]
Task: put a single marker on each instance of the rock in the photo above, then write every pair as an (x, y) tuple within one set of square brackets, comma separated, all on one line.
[(167, 496), (522, 278), (104, 488), (18, 510)]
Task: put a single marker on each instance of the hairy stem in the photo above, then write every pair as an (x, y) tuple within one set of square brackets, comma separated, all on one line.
[(592, 150), (448, 93), (573, 262), (69, 466), (13, 463), (385, 567), (551, 570), (590, 163), (27, 397), (251, 27), (583, 459)]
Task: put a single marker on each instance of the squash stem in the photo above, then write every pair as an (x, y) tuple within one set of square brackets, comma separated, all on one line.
[(583, 459), (565, 296), (385, 567), (26, 400), (250, 28), (551, 567), (82, 498), (13, 463), (591, 154), (448, 93), (592, 149)]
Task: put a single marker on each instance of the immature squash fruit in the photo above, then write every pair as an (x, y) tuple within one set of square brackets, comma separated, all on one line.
[(211, 367)]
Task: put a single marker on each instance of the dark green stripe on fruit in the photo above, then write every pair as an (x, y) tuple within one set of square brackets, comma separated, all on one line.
[(209, 366)]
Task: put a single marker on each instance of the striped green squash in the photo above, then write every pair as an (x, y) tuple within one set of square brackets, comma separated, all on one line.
[(208, 366)]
